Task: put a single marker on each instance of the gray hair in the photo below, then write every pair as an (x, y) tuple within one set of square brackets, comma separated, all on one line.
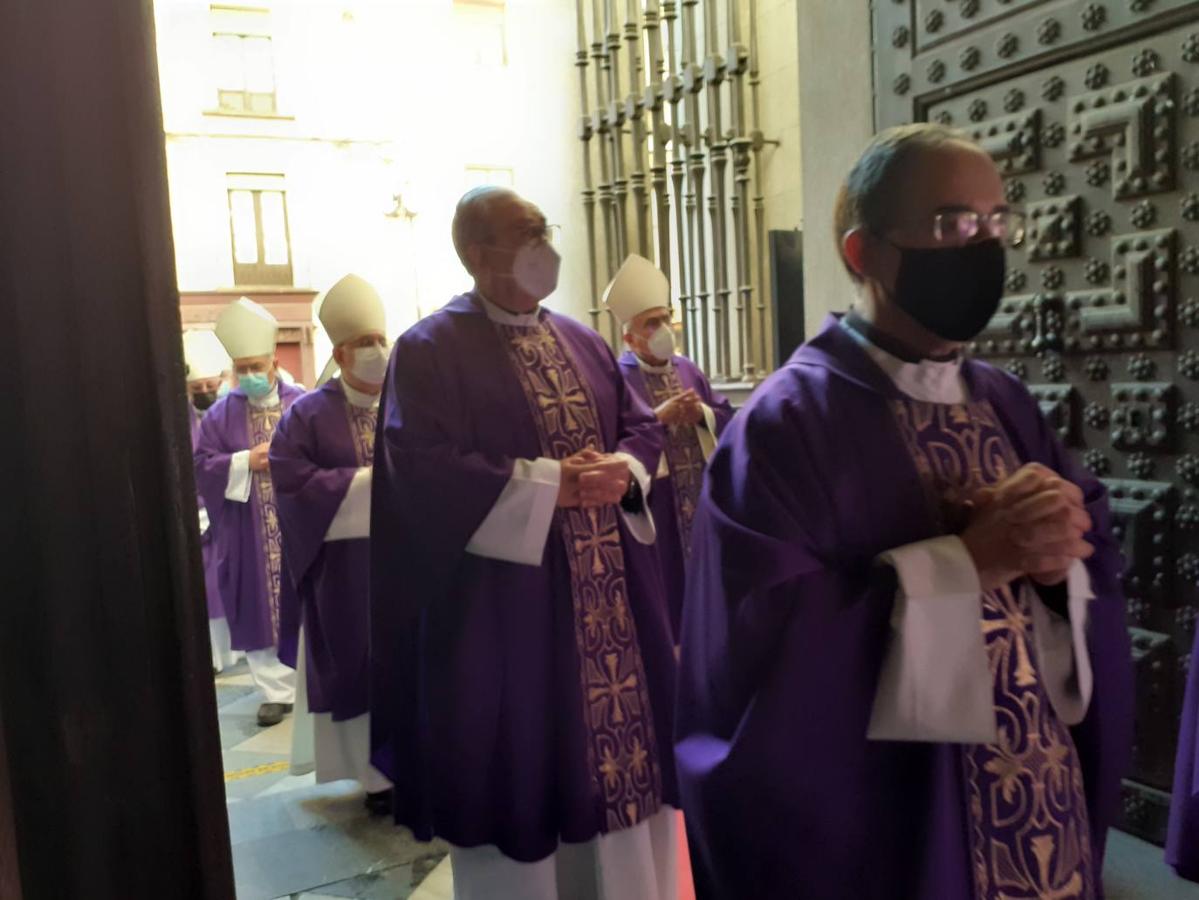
[(868, 195)]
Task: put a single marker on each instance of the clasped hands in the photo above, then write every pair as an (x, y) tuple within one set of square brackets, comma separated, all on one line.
[(591, 478), (682, 409), (1032, 523)]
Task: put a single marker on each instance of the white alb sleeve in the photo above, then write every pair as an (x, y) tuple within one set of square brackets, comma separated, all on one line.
[(517, 527), (237, 488), (353, 518), (707, 432), (640, 524), (1062, 647), (936, 683)]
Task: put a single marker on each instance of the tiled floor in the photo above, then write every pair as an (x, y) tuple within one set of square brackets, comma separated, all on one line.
[(296, 840)]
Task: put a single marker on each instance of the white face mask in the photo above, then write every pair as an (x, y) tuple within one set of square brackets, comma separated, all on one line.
[(661, 343), (370, 364), (535, 269)]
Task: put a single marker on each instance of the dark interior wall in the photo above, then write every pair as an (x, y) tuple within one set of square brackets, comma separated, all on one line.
[(10, 886), (106, 701)]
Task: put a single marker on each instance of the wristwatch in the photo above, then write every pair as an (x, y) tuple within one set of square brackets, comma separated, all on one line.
[(632, 501)]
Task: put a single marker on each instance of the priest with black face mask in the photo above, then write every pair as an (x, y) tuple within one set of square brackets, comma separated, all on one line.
[(905, 670)]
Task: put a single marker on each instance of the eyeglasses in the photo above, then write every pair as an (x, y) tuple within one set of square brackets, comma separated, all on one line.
[(956, 227), (547, 233)]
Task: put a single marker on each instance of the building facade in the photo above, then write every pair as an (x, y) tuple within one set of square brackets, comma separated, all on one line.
[(308, 140)]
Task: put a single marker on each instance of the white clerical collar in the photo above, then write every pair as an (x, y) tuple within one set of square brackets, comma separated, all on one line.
[(503, 317), (358, 398), (653, 370), (268, 401), (927, 380)]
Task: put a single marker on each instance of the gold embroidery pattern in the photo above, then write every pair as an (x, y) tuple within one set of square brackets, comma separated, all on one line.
[(622, 750), (1029, 832), (262, 429), (683, 454), (362, 432)]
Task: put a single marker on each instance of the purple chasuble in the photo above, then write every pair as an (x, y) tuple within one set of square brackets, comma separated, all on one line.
[(786, 623), (1029, 836), (675, 497), (246, 537), (320, 444), (207, 546), (1182, 840), (512, 705)]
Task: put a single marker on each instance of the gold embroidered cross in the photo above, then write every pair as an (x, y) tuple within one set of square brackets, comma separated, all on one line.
[(595, 542), (610, 768), (638, 758), (1016, 621), (613, 686), (557, 398), (689, 462), (536, 344)]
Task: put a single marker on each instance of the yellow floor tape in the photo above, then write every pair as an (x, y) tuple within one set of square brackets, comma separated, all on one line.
[(254, 771)]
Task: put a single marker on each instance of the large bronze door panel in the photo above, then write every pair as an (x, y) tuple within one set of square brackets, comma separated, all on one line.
[(1091, 110)]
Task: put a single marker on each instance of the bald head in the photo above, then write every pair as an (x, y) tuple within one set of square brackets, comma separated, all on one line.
[(474, 218), (493, 227)]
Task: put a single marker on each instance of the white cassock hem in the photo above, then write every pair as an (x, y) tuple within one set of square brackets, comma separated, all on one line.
[(638, 863), (336, 751), (276, 680), (237, 488), (223, 655)]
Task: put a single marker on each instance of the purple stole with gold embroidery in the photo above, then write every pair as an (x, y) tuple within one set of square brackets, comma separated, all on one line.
[(622, 747), (1027, 813), (362, 432), (684, 454), (261, 427)]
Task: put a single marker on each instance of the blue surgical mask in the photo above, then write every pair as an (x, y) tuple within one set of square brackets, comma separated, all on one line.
[(256, 385), (223, 389)]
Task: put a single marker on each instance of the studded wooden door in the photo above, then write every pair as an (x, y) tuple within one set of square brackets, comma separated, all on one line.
[(1091, 109)]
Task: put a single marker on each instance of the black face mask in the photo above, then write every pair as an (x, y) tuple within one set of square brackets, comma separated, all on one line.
[(951, 291), (203, 400)]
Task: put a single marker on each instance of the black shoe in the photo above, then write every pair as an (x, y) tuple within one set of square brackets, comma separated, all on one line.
[(378, 803), (273, 713)]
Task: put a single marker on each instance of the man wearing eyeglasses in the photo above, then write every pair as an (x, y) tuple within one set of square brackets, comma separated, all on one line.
[(523, 666), (905, 670)]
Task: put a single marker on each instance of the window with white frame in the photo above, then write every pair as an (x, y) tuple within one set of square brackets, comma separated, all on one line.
[(243, 61), (259, 231)]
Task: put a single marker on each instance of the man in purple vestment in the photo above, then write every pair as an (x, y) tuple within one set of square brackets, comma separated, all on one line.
[(321, 459), (905, 670), (522, 664), (206, 360), (235, 482), (1182, 840), (683, 400)]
